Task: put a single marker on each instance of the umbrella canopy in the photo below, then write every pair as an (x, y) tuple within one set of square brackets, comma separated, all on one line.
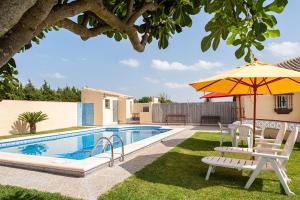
[(212, 95), (254, 78)]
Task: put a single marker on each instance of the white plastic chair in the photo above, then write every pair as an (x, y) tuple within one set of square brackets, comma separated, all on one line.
[(245, 134), (263, 144), (264, 162), (223, 132)]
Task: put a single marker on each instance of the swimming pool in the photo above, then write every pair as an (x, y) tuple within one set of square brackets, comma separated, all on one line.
[(79, 146), (68, 153)]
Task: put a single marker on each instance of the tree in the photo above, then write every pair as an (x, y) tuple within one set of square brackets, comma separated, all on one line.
[(144, 100), (243, 23), (164, 98), (32, 118), (30, 92), (47, 94), (26, 21), (44, 93), (8, 80)]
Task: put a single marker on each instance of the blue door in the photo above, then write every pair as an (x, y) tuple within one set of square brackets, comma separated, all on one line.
[(87, 114)]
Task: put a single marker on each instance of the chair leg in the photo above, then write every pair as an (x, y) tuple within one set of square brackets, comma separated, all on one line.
[(236, 142), (255, 173), (249, 143), (213, 170), (208, 172), (221, 139), (282, 177), (285, 176)]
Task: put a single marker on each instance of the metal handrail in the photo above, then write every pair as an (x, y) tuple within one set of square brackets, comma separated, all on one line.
[(111, 163), (122, 146)]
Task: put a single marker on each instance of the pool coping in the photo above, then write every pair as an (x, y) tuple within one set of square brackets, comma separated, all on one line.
[(77, 168)]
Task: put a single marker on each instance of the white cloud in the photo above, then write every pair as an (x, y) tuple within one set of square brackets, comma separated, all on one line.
[(152, 80), (177, 66), (176, 85), (284, 48), (82, 59), (64, 59), (130, 62), (55, 75)]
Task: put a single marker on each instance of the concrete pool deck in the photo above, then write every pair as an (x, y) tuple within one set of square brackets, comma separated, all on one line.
[(100, 181)]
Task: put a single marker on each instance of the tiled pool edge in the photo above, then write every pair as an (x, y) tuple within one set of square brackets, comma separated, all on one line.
[(76, 168), (116, 159)]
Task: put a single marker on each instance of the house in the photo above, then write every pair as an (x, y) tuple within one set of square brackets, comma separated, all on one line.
[(276, 108), (143, 111), (105, 107)]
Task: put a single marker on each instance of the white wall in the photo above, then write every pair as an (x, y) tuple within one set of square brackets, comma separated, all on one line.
[(60, 114), (108, 113), (265, 108), (129, 109)]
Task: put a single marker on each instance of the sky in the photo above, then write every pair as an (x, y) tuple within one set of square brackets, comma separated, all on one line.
[(62, 58)]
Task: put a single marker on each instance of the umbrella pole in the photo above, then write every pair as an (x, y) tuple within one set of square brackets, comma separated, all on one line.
[(240, 109), (254, 116)]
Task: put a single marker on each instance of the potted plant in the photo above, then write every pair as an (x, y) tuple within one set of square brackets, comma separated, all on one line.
[(32, 118)]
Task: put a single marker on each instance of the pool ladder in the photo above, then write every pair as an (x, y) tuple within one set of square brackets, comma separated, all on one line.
[(108, 142)]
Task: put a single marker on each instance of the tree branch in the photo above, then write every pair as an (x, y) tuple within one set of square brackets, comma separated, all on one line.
[(63, 11), (11, 12), (82, 31), (129, 9), (147, 7), (22, 32)]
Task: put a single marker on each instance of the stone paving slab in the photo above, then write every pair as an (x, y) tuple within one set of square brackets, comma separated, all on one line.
[(99, 181)]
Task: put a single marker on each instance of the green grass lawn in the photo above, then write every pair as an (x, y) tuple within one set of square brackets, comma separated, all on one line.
[(179, 174), (42, 132), (16, 193)]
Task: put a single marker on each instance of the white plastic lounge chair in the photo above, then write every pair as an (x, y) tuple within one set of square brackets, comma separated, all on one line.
[(245, 134), (263, 142), (262, 133), (265, 161), (223, 132), (263, 145)]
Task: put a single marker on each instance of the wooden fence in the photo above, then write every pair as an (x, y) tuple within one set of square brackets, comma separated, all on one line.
[(194, 111)]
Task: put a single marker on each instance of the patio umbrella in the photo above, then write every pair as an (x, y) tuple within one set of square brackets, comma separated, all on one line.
[(252, 79), (213, 95)]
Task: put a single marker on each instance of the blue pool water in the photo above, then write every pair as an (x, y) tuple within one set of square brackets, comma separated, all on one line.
[(78, 145)]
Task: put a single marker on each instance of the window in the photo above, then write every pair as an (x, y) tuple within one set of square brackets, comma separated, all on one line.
[(283, 103), (145, 108), (107, 103)]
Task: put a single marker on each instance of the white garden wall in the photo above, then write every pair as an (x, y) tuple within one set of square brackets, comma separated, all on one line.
[(60, 114)]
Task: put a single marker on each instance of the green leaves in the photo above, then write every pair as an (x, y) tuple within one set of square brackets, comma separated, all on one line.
[(240, 52), (32, 118), (247, 23), (259, 28), (206, 42), (276, 6), (8, 78)]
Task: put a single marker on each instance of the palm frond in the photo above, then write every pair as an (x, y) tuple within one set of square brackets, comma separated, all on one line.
[(33, 117)]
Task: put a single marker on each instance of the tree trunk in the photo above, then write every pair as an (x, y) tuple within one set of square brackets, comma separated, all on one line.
[(32, 127)]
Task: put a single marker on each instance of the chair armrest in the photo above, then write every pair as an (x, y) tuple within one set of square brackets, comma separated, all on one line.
[(268, 144), (265, 155), (267, 150), (265, 140)]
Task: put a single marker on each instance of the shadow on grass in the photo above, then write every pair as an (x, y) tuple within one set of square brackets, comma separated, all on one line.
[(21, 195), (194, 144), (185, 169)]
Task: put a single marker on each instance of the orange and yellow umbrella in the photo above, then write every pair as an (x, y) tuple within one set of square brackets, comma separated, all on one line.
[(252, 79)]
